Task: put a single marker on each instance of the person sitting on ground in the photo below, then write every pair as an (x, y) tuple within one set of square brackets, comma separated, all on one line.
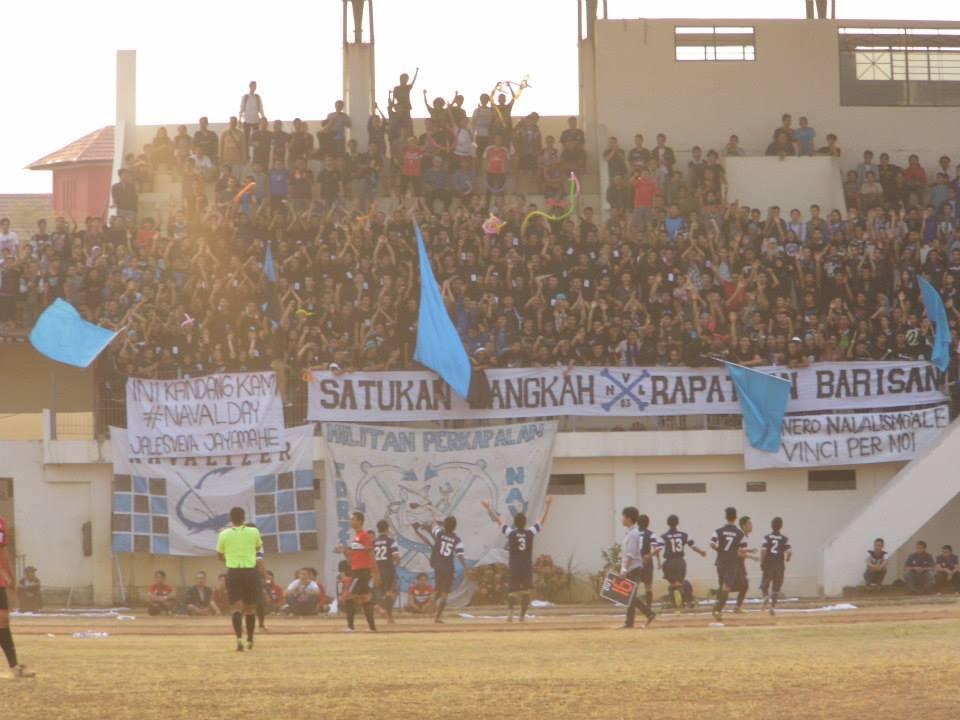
[(918, 570), (876, 565), (324, 598), (220, 596), (199, 597), (946, 577), (161, 597), (303, 595), (29, 594), (273, 593), (420, 596)]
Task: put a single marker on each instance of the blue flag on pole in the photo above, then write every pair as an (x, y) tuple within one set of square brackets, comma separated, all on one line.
[(763, 403), (438, 345), (268, 268), (62, 335), (937, 314)]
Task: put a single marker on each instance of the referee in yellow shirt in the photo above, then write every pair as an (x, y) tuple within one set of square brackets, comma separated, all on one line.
[(237, 546)]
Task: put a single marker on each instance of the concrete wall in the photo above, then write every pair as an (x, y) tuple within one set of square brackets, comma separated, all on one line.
[(642, 88), (58, 485)]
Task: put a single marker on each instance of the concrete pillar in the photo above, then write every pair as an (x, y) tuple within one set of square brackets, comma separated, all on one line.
[(359, 88), (126, 117), (101, 502)]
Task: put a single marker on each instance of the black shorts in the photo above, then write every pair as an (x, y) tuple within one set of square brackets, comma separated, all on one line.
[(243, 585), (772, 575), (646, 573), (732, 576), (675, 570), (443, 579), (359, 582), (4, 602), (521, 580), (388, 581)]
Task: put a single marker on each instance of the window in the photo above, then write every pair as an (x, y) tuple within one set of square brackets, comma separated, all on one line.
[(756, 486), (825, 480), (680, 488), (900, 66), (571, 484), (713, 43)]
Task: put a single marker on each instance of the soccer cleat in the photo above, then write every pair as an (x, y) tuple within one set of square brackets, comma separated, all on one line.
[(249, 644), (20, 672), (239, 645), (348, 630), (738, 610), (650, 618), (625, 627)]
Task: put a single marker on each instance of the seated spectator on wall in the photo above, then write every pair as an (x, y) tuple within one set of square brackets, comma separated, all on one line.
[(781, 146), (947, 573), (29, 591), (303, 595), (805, 137), (124, 195), (199, 598), (420, 596), (573, 142), (876, 564), (918, 570), (161, 597)]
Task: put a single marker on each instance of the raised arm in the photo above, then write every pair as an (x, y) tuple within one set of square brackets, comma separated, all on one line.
[(548, 503)]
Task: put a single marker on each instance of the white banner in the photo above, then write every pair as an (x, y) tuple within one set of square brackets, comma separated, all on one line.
[(394, 474), (851, 438), (224, 414), (615, 391), (177, 507)]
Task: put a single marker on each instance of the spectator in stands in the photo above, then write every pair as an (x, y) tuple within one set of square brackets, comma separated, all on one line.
[(303, 595), (30, 591), (420, 599), (876, 564), (732, 148), (805, 137), (9, 243), (335, 128), (251, 114), (831, 148), (616, 158), (573, 142), (918, 570), (124, 194), (205, 139), (199, 598), (233, 145), (644, 198), (785, 128), (947, 575), (663, 154), (781, 146), (161, 597), (638, 155)]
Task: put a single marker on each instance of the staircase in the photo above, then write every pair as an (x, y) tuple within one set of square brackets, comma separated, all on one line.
[(903, 506)]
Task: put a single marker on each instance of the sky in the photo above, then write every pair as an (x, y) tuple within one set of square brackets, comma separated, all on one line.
[(196, 58)]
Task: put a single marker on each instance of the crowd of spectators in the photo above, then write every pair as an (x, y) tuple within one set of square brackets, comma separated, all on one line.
[(672, 274), (922, 572)]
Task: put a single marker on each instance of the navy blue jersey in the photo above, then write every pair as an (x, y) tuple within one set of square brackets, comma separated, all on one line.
[(445, 547), (776, 546), (728, 540), (520, 546), (384, 551), (675, 543), (649, 541)]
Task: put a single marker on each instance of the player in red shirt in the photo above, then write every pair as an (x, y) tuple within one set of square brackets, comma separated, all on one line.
[(363, 568), (411, 167), (8, 580)]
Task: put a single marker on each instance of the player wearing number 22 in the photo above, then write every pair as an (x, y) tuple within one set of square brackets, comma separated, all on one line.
[(447, 547), (520, 547)]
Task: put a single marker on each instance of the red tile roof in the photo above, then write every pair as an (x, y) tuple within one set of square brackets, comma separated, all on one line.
[(97, 147)]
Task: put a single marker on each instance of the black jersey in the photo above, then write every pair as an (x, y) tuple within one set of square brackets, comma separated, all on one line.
[(728, 540), (445, 547), (675, 543), (776, 546), (649, 541), (384, 551), (520, 546)]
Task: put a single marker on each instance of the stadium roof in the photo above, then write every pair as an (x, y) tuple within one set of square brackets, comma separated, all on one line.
[(97, 147)]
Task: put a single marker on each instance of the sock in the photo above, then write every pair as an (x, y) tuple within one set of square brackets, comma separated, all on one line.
[(6, 642), (677, 598), (524, 604), (740, 596), (251, 625), (368, 613), (388, 607), (721, 599), (773, 598), (238, 623), (511, 602), (441, 604), (648, 598), (351, 607), (261, 613)]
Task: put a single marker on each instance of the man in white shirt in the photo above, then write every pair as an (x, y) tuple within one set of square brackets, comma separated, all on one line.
[(8, 238), (631, 564), (251, 112), (303, 595)]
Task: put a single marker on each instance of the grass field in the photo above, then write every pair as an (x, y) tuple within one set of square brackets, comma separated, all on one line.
[(857, 666)]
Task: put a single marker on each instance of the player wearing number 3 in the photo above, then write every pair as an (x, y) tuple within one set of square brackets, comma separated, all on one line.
[(520, 545)]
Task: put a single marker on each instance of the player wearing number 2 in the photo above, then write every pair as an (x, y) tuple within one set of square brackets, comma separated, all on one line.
[(774, 554), (446, 548), (520, 545), (675, 543)]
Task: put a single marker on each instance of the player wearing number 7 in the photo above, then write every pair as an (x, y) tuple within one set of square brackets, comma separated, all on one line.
[(730, 544), (520, 545)]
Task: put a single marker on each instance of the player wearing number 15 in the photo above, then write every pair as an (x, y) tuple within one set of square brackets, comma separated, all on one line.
[(446, 547), (520, 547), (237, 547)]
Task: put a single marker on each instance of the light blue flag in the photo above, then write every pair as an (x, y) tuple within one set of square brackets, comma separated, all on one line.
[(268, 268), (438, 345), (763, 403), (62, 335), (937, 314)]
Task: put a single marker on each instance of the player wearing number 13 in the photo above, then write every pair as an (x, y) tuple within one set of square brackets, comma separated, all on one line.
[(520, 547), (675, 543)]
